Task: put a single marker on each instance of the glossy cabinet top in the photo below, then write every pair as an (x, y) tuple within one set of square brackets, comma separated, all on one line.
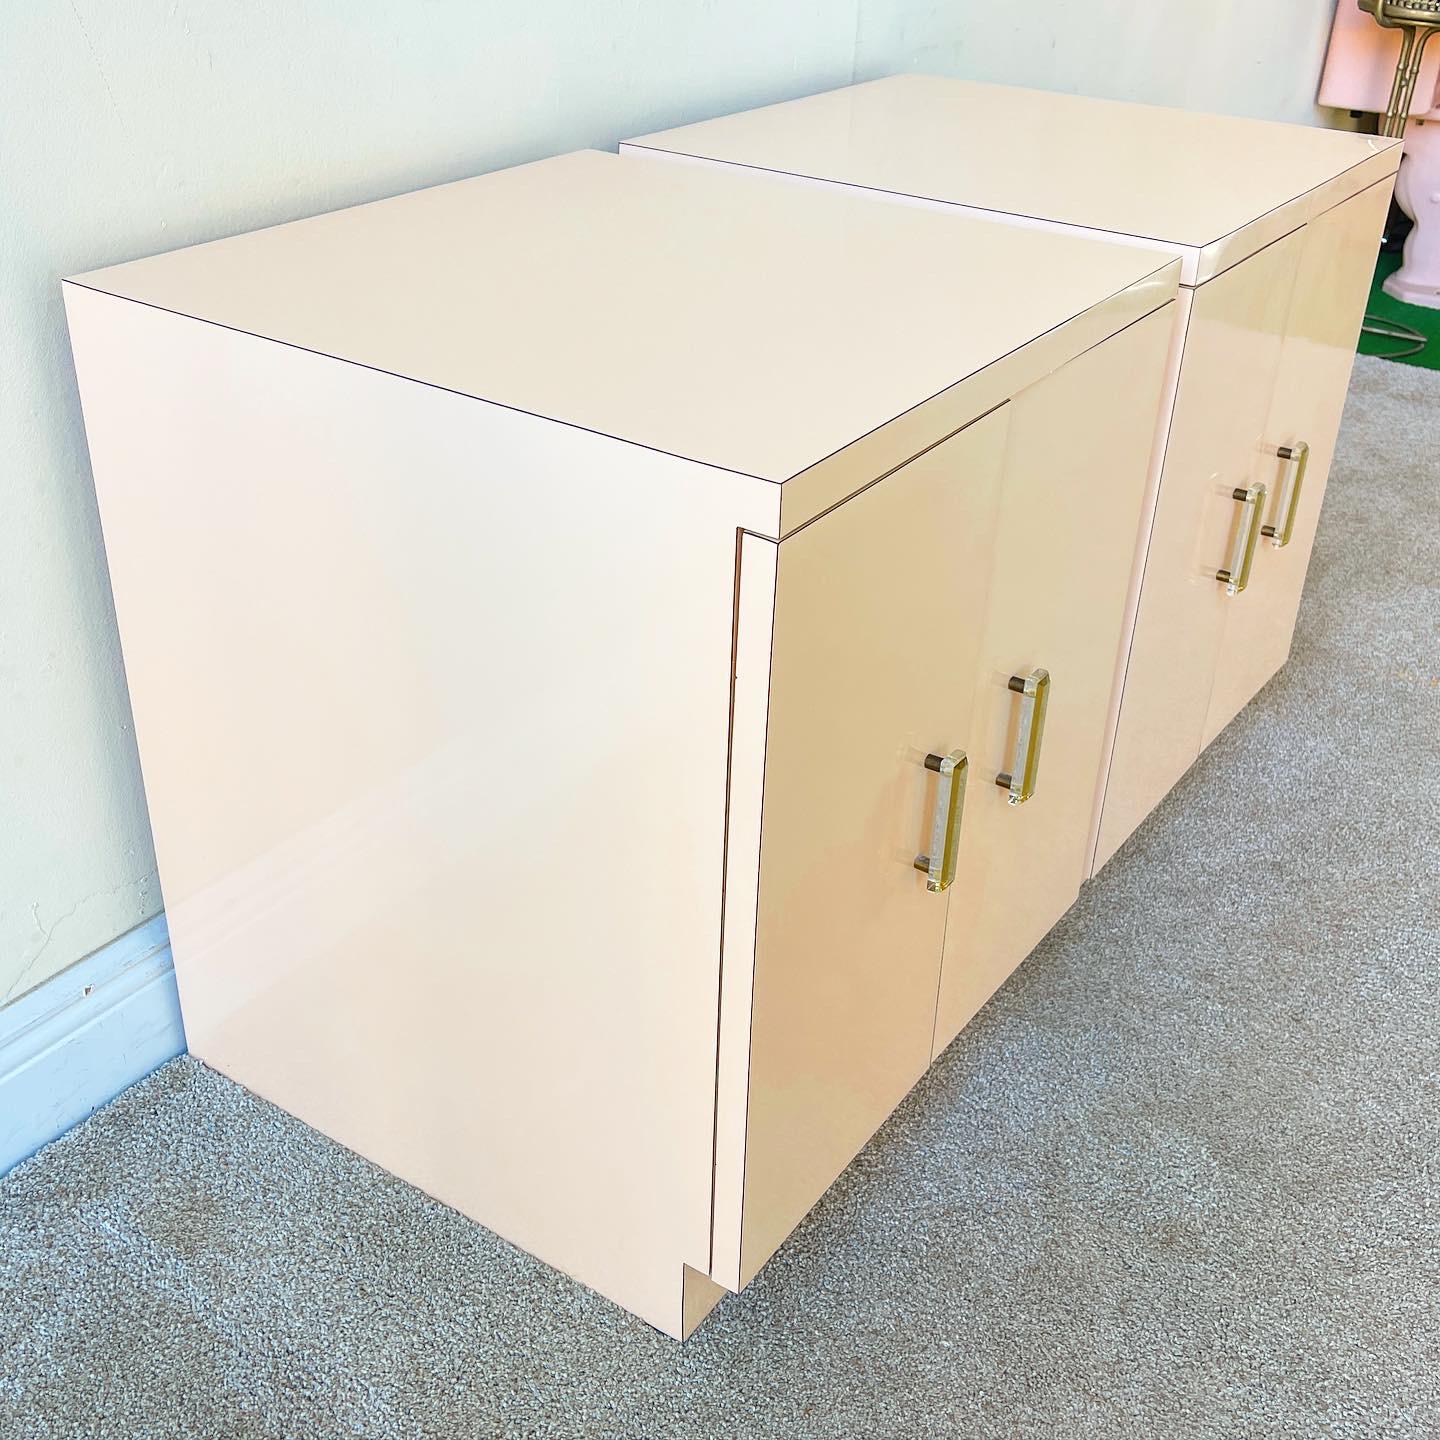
[(739, 320), (1216, 186)]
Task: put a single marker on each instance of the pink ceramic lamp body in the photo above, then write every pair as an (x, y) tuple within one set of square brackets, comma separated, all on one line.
[(1358, 70)]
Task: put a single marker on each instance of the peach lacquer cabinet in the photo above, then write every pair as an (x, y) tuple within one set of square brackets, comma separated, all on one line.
[(562, 611), (1277, 228)]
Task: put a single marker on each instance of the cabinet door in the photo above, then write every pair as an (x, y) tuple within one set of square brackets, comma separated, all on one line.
[(1074, 480), (1326, 309), (879, 610), (1227, 376)]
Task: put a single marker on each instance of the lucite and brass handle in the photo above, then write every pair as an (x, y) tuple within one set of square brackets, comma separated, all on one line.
[(1252, 502), (1034, 692), (1299, 455), (939, 865)]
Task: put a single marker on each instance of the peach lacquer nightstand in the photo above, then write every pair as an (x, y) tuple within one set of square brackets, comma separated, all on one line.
[(562, 610), (1277, 228)]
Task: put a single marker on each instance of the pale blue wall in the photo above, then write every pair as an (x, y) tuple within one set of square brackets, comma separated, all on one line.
[(131, 126), (1235, 57)]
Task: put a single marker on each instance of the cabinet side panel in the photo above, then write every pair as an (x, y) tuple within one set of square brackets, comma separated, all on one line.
[(754, 629), (1165, 415), (432, 701)]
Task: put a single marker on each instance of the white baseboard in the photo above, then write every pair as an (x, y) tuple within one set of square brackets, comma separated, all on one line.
[(77, 1040)]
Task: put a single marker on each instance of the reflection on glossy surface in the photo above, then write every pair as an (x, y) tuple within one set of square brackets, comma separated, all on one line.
[(656, 303), (1138, 171)]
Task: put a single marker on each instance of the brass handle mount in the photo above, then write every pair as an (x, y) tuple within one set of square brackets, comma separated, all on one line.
[(939, 865), (1034, 692)]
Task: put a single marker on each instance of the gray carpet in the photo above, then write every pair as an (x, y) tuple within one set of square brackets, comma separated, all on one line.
[(1181, 1178)]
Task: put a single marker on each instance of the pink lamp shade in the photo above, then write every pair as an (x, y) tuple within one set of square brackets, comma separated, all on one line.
[(1361, 62)]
